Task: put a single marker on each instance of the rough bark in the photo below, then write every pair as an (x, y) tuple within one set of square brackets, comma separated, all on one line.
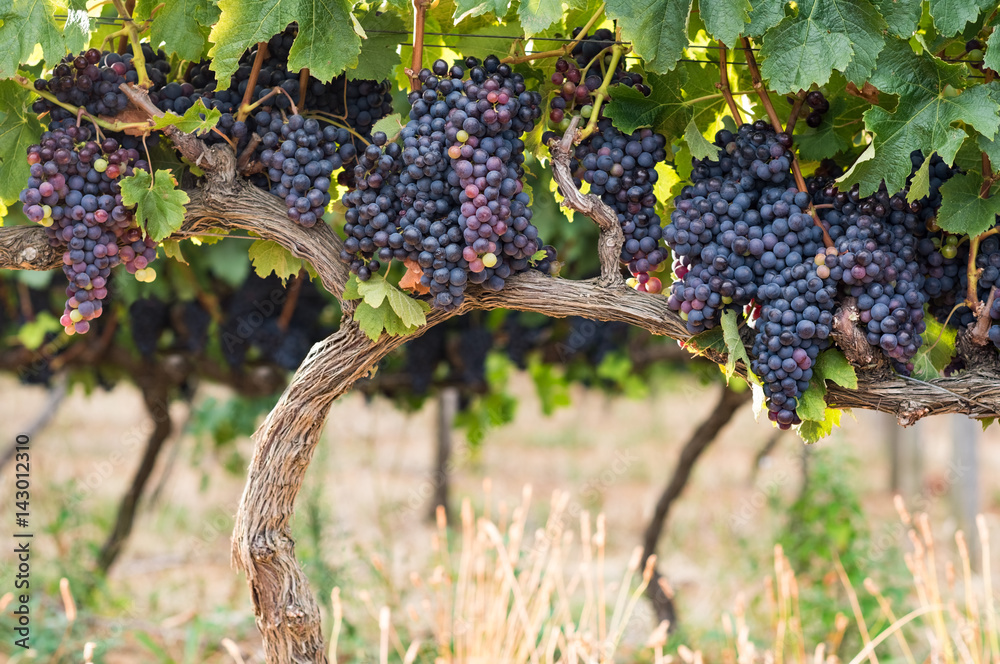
[(26, 248), (286, 611), (704, 435)]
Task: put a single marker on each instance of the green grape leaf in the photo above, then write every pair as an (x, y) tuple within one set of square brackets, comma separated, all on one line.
[(664, 109), (172, 249), (812, 404), (963, 211), (327, 43), (328, 40), (923, 119), (471, 8), (378, 56), (725, 19), (902, 16), (991, 57), (351, 288), (32, 334), (160, 204), (950, 16), (920, 183), (407, 313), (240, 26), (411, 311), (578, 12), (486, 40), (656, 28), (268, 256), (937, 350), (700, 147), (374, 321), (182, 26), (536, 15), (990, 146), (390, 125), (813, 431), (196, 120), (833, 366), (19, 129), (23, 24), (384, 308), (734, 344), (818, 420), (76, 30), (374, 290), (764, 15), (826, 35)]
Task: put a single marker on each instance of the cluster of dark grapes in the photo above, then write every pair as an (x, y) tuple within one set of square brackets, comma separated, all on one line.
[(738, 219), (619, 168), (92, 80), (876, 263), (796, 314), (742, 234), (448, 198), (298, 154), (73, 191), (819, 106), (579, 78), (253, 320), (151, 317)]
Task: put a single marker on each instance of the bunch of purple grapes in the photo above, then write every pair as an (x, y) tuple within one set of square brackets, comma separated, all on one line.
[(450, 197), (73, 191), (300, 156), (92, 80)]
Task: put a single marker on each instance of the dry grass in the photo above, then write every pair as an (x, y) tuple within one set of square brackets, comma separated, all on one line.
[(507, 596)]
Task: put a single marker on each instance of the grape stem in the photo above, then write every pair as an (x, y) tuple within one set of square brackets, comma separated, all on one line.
[(246, 107), (765, 99), (698, 100), (562, 51), (76, 110), (419, 16), (980, 330), (972, 272), (723, 85), (303, 84), (335, 120), (793, 116), (138, 59), (291, 301), (243, 161), (988, 177), (617, 51)]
